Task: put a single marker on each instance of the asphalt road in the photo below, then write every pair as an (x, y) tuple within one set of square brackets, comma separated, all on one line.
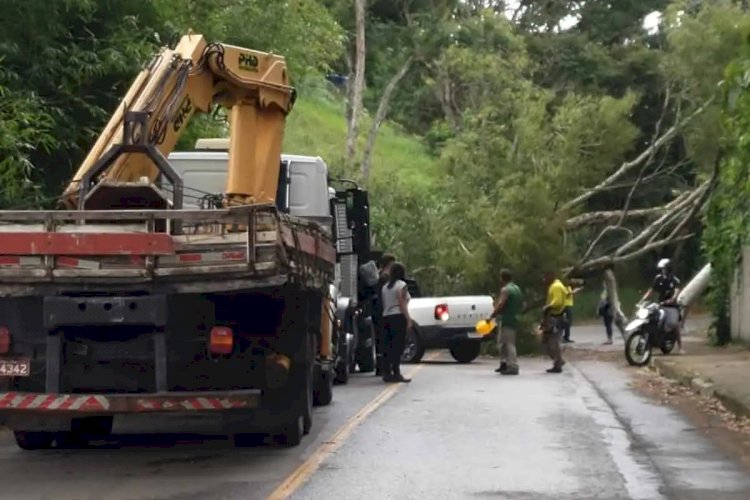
[(457, 431)]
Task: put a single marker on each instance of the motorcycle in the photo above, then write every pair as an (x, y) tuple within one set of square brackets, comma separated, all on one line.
[(646, 332)]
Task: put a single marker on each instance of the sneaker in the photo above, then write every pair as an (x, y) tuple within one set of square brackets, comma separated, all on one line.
[(503, 367), (555, 369), (608, 342), (509, 371), (400, 378)]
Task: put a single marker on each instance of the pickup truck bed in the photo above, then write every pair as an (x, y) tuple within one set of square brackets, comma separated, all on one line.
[(447, 323)]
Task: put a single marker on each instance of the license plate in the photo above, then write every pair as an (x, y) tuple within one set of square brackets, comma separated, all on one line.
[(15, 367)]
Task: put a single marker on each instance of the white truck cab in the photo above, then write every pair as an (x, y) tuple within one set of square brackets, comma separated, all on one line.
[(303, 187)]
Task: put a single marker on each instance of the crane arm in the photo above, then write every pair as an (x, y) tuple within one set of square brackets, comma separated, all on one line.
[(191, 78)]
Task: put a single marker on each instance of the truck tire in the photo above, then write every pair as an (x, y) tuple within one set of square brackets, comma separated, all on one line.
[(366, 359), (342, 364), (466, 351), (414, 348), (306, 404), (31, 440), (323, 392), (291, 434)]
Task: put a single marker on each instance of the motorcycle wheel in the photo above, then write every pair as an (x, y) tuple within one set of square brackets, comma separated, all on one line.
[(668, 346), (637, 352)]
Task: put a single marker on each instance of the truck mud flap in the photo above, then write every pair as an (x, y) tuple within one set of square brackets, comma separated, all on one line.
[(92, 404)]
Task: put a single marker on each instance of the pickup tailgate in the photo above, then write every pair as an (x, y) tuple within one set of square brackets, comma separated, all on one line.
[(463, 311)]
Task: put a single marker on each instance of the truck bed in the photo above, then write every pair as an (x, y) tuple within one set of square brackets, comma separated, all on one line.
[(235, 248)]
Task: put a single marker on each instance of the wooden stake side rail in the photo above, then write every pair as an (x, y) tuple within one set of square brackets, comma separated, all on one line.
[(123, 245)]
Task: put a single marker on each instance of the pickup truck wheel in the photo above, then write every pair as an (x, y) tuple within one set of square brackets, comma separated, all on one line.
[(465, 352), (413, 349), (28, 440), (366, 359)]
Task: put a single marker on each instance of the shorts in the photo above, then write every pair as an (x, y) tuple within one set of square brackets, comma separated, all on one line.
[(671, 318)]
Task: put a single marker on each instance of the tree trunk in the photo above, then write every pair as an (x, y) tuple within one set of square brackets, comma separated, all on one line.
[(359, 82), (349, 89), (385, 102), (610, 283)]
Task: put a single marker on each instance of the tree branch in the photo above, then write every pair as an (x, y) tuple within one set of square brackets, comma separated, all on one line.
[(608, 216), (359, 82), (380, 115), (628, 166), (682, 201)]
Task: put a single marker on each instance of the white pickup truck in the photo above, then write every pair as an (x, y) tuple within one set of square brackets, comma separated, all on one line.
[(445, 322)]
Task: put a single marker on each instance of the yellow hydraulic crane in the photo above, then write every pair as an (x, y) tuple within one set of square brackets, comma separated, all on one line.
[(190, 78)]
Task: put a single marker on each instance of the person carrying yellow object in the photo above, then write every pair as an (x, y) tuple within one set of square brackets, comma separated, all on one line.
[(554, 320)]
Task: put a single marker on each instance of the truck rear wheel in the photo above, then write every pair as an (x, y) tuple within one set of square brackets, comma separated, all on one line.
[(32, 440), (323, 392), (466, 351), (291, 434)]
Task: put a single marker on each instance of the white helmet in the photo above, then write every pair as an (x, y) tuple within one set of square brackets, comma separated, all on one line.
[(664, 264)]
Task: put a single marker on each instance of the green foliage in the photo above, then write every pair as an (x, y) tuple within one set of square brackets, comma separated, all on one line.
[(728, 217), (24, 127), (702, 42), (70, 61), (303, 31)]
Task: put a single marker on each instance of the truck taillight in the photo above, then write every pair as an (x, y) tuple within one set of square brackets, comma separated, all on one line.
[(221, 341), (4, 340), (441, 312)]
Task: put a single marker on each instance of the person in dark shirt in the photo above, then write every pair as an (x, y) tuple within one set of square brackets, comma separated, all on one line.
[(667, 287), (386, 261)]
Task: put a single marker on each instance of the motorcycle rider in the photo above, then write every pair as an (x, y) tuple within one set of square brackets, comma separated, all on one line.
[(667, 286)]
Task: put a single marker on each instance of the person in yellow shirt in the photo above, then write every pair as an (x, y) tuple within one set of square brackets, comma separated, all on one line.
[(554, 320), (568, 313)]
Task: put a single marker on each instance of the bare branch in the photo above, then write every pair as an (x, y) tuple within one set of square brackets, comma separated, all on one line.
[(653, 246), (604, 232), (676, 206), (609, 216), (359, 82), (647, 163), (628, 166), (607, 260), (380, 115)]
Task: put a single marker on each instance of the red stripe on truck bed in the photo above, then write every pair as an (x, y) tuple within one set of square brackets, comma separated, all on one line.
[(86, 244)]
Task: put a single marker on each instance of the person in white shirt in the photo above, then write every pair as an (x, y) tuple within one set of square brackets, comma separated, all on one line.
[(396, 322)]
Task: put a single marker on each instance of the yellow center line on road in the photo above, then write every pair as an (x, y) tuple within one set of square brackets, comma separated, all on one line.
[(302, 473)]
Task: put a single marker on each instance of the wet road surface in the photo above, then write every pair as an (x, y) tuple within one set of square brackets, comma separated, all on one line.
[(457, 431)]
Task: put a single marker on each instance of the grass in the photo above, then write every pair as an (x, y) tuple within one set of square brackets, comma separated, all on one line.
[(316, 126)]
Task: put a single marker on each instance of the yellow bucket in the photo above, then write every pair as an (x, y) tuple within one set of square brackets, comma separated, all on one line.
[(484, 327)]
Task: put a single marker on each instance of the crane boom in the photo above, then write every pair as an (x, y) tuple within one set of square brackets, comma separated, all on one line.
[(188, 79)]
